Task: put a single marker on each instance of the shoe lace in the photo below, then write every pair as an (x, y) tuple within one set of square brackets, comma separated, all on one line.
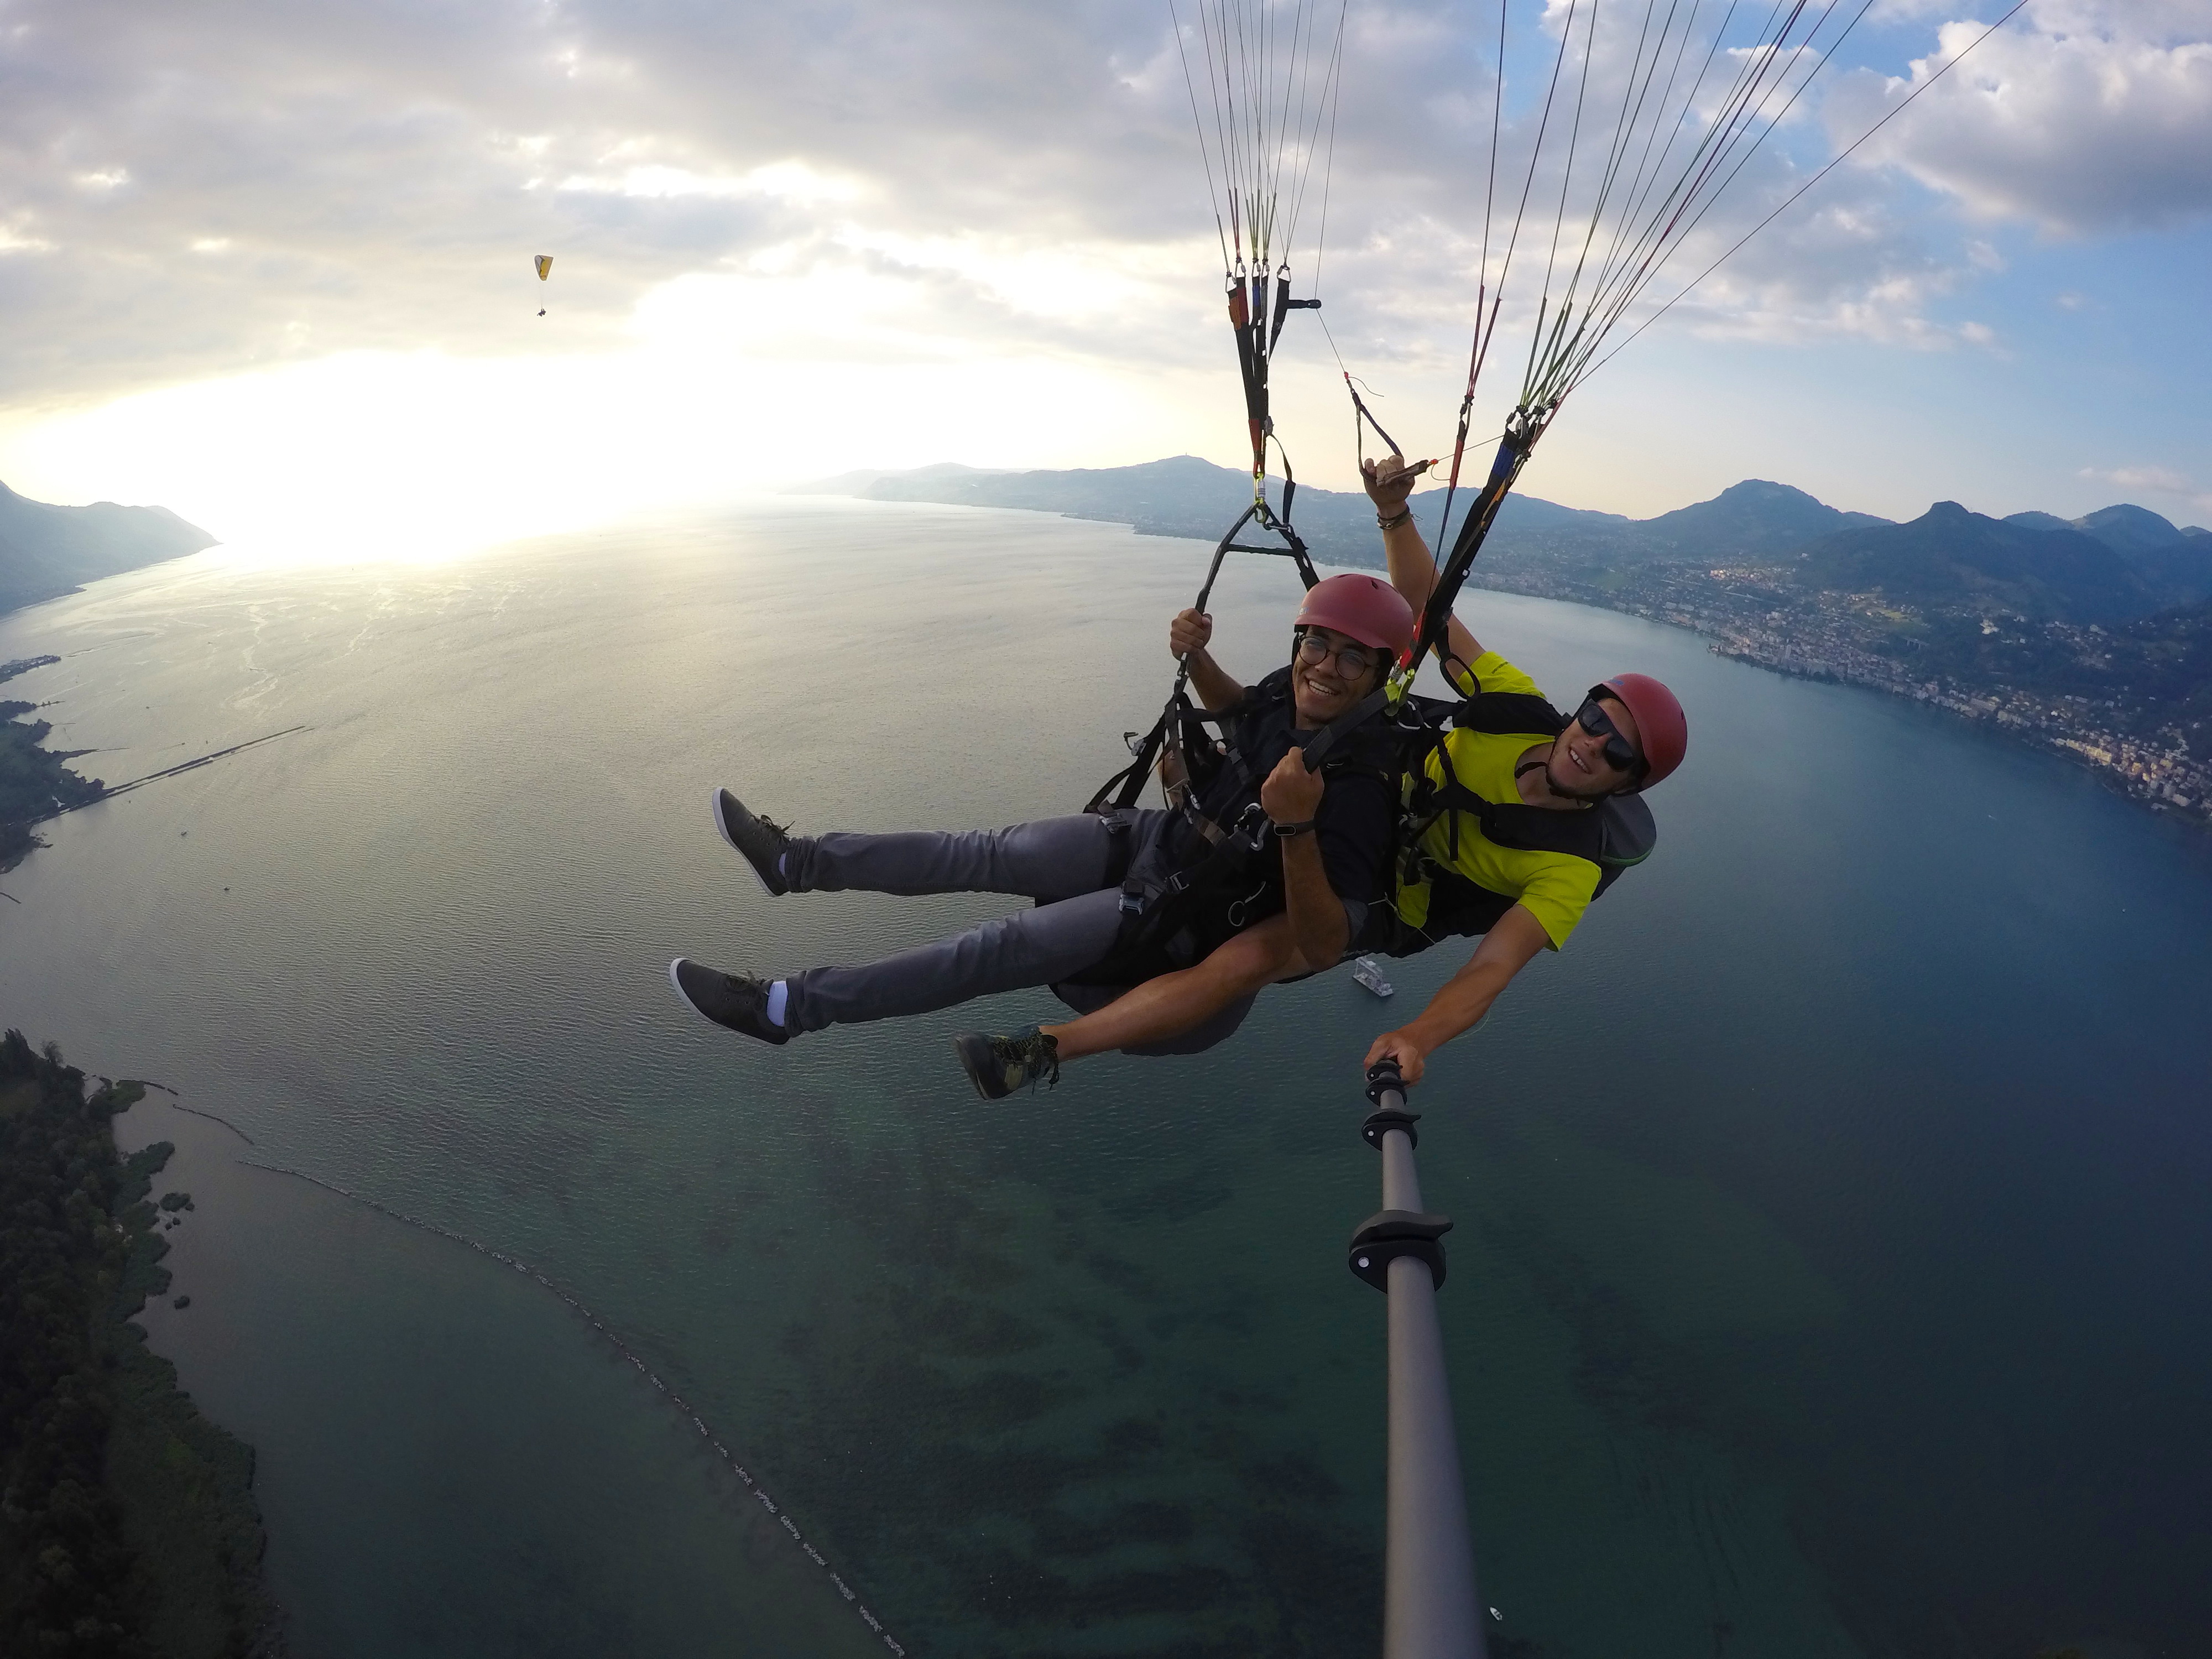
[(1035, 1053)]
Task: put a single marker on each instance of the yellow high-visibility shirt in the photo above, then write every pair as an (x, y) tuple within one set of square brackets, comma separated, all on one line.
[(1555, 887)]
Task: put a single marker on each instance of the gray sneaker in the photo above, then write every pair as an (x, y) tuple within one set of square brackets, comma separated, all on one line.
[(736, 1000), (998, 1066), (760, 840)]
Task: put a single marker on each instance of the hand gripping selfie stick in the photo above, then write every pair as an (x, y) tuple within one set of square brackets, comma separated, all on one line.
[(1430, 1609)]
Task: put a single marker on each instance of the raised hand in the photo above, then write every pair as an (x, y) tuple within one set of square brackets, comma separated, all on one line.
[(1190, 631), (1389, 481)]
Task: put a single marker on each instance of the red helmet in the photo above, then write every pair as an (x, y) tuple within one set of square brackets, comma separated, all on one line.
[(1663, 727), (1365, 608)]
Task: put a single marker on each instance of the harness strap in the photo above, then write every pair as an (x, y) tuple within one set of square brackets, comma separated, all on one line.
[(1316, 747)]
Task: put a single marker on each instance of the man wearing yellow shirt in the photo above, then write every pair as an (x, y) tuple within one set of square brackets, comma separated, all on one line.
[(1513, 851), (1515, 843)]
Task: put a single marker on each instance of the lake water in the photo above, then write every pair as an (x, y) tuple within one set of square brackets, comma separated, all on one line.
[(1830, 1271)]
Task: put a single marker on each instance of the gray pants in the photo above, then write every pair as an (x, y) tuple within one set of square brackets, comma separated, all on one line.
[(1061, 862)]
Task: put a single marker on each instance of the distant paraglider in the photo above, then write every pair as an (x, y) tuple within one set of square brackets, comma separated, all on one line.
[(544, 262)]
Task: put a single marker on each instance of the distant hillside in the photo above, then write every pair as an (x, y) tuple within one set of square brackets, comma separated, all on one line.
[(1187, 496), (2090, 637), (1753, 518), (1950, 559), (49, 550), (2114, 565), (2174, 563), (1182, 496)]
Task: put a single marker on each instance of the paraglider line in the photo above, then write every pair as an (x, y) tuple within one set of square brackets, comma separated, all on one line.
[(1204, 160), (1791, 198)]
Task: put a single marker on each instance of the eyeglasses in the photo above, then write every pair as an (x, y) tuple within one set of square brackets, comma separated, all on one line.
[(1352, 660), (1619, 753)]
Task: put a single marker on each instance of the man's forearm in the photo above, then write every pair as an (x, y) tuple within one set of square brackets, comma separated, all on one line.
[(1172, 1004), (1413, 567), (1460, 1004), (1214, 688), (1316, 914), (1413, 573), (1511, 943)]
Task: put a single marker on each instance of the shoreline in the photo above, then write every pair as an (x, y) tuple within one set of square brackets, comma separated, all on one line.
[(36, 783), (39, 783), (2120, 764), (167, 1556)]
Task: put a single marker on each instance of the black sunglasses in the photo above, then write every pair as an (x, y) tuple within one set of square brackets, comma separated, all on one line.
[(1619, 754)]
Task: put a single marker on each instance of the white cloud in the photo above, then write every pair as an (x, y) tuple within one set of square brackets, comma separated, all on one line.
[(2084, 116), (2143, 477), (992, 194), (789, 181), (2155, 481), (380, 174)]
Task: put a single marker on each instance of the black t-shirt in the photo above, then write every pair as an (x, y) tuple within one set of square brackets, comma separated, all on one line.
[(1357, 804)]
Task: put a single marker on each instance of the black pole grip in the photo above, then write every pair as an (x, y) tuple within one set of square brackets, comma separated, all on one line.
[(1382, 1078)]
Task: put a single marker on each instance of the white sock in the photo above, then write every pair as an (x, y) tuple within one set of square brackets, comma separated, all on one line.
[(778, 995)]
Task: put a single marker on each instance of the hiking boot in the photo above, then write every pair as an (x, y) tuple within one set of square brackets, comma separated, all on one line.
[(998, 1066), (760, 840), (737, 1000)]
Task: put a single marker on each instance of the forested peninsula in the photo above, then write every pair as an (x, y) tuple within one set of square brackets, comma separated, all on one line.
[(35, 783), (128, 1529), (46, 551)]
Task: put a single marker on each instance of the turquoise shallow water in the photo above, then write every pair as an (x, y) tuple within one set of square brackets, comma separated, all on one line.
[(1829, 1273)]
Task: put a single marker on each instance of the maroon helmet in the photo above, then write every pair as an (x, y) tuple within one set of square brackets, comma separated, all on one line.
[(1660, 725), (1362, 608)]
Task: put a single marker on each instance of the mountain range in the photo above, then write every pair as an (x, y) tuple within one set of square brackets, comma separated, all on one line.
[(45, 551), (2116, 564)]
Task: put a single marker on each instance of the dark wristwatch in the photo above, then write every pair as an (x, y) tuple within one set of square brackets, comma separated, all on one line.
[(1285, 831)]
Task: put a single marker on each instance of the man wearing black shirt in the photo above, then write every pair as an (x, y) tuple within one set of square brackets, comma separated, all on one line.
[(1322, 864)]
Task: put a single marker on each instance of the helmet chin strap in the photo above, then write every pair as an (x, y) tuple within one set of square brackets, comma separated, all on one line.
[(1544, 767)]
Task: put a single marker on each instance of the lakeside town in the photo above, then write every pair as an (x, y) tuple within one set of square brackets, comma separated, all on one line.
[(1754, 615)]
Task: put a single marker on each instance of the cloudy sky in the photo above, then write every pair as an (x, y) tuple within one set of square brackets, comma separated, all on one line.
[(270, 263)]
